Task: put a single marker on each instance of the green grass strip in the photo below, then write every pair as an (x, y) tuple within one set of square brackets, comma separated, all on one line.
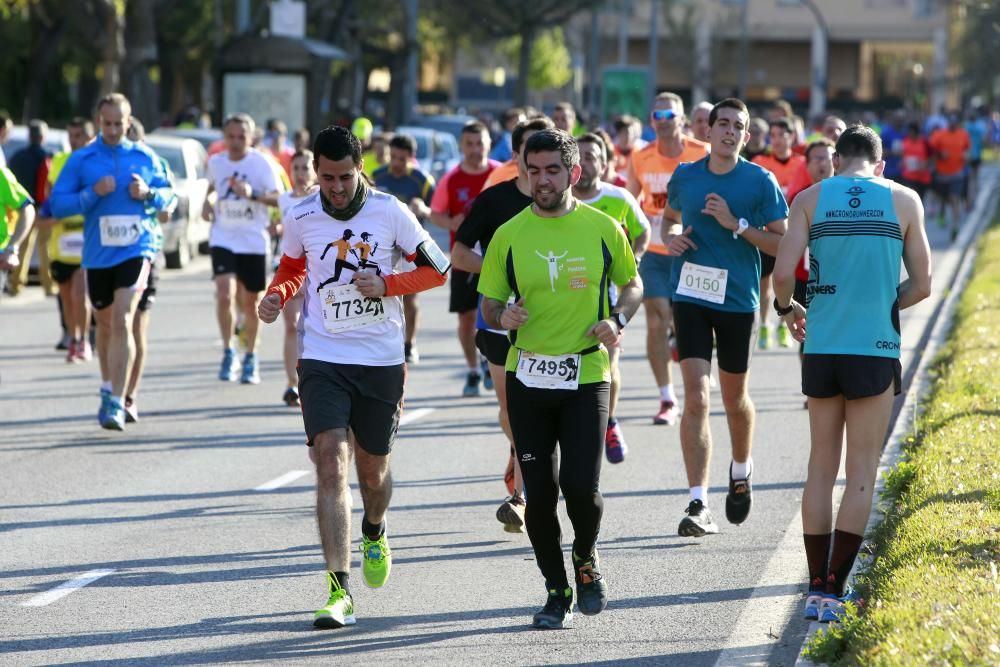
[(932, 593)]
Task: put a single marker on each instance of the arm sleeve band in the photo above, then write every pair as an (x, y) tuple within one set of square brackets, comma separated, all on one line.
[(288, 278), (420, 279)]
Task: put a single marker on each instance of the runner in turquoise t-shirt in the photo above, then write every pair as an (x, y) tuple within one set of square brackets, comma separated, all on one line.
[(557, 259), (732, 211)]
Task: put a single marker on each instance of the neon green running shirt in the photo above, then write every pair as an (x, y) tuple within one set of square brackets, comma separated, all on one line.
[(562, 267), (622, 206)]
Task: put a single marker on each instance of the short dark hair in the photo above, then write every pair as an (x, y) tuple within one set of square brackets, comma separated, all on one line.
[(117, 100), (859, 141), (728, 103), (564, 106), (525, 126), (305, 152), (555, 140), (335, 143), (276, 125), (404, 142), (512, 113), (784, 123), (37, 129), (474, 127), (817, 143), (624, 122), (594, 138), (80, 123)]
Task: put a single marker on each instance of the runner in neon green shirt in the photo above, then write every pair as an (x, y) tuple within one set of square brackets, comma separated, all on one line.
[(623, 207), (16, 212), (558, 259)]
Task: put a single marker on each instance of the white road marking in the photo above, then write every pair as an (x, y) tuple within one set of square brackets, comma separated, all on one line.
[(65, 588), (287, 478), (413, 415)]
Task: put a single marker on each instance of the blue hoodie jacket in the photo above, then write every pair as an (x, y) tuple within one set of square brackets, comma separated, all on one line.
[(116, 227)]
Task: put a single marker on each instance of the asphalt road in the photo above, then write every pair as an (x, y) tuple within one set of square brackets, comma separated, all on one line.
[(188, 561)]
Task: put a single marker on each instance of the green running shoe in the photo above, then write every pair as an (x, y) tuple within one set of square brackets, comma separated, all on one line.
[(339, 609), (376, 561), (784, 335)]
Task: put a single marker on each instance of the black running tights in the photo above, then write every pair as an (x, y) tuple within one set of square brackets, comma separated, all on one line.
[(577, 420)]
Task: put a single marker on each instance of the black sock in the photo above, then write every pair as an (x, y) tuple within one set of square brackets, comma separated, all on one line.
[(407, 347), (371, 531), (343, 580), (612, 421), (845, 550), (817, 555)]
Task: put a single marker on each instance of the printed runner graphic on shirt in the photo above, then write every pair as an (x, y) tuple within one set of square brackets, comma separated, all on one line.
[(553, 261)]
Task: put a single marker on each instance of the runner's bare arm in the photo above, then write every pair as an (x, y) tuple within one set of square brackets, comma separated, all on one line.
[(793, 245), (632, 183), (916, 250), (463, 259), (640, 244), (208, 207)]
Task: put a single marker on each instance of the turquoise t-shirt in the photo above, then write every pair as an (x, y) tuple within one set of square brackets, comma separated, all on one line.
[(752, 193), (855, 253)]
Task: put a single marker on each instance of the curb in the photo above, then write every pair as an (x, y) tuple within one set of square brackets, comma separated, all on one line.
[(918, 382)]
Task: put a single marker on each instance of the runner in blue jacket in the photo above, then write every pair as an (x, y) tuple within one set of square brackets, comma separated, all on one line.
[(117, 185)]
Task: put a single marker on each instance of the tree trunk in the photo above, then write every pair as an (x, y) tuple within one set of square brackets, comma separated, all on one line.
[(47, 33), (528, 35), (114, 46), (141, 55)]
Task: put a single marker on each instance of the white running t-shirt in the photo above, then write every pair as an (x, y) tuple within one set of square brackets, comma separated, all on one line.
[(373, 240), (241, 224)]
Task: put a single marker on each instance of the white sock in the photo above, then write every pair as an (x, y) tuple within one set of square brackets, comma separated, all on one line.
[(474, 368), (667, 393), (700, 493), (118, 400), (742, 470), (106, 386)]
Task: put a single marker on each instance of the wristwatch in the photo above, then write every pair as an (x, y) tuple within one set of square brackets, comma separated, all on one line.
[(620, 320), (741, 227), (783, 311)]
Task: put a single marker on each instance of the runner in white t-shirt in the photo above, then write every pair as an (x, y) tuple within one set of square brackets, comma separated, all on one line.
[(303, 185), (341, 247), (240, 177)]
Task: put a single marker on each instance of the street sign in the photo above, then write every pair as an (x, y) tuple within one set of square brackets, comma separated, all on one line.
[(624, 90)]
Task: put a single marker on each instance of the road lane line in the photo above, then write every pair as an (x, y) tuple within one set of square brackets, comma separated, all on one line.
[(414, 415), (65, 588), (287, 478)]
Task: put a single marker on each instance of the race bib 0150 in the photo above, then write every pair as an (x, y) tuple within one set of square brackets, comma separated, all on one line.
[(703, 282)]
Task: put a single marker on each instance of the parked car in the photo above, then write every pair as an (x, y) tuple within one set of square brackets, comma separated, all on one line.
[(437, 152), (210, 138), (56, 141), (185, 233)]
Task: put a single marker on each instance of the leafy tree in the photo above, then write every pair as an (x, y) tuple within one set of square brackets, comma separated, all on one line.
[(978, 48), (549, 62)]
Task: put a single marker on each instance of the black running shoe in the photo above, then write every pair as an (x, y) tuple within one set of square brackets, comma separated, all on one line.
[(738, 500), (557, 612), (698, 521), (591, 590)]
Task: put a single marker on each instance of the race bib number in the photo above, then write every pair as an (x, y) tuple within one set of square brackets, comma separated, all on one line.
[(344, 308), (120, 230), (703, 282), (541, 371), (235, 211), (71, 244)]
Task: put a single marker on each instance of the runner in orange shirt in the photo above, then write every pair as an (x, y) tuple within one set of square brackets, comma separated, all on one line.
[(950, 146), (786, 166), (649, 171)]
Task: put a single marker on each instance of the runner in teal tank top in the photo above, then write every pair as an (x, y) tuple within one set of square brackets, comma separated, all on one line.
[(859, 228)]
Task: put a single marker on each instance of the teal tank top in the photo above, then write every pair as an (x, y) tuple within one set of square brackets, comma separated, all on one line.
[(855, 253)]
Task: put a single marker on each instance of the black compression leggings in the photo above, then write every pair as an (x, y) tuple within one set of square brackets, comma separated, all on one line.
[(577, 420)]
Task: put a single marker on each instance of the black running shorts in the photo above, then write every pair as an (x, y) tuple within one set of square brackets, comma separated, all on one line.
[(766, 264), (493, 346), (464, 292), (62, 272), (366, 399), (102, 283), (851, 375), (734, 335), (250, 270)]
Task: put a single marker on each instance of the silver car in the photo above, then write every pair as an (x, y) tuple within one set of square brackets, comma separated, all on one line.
[(437, 152), (185, 232)]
